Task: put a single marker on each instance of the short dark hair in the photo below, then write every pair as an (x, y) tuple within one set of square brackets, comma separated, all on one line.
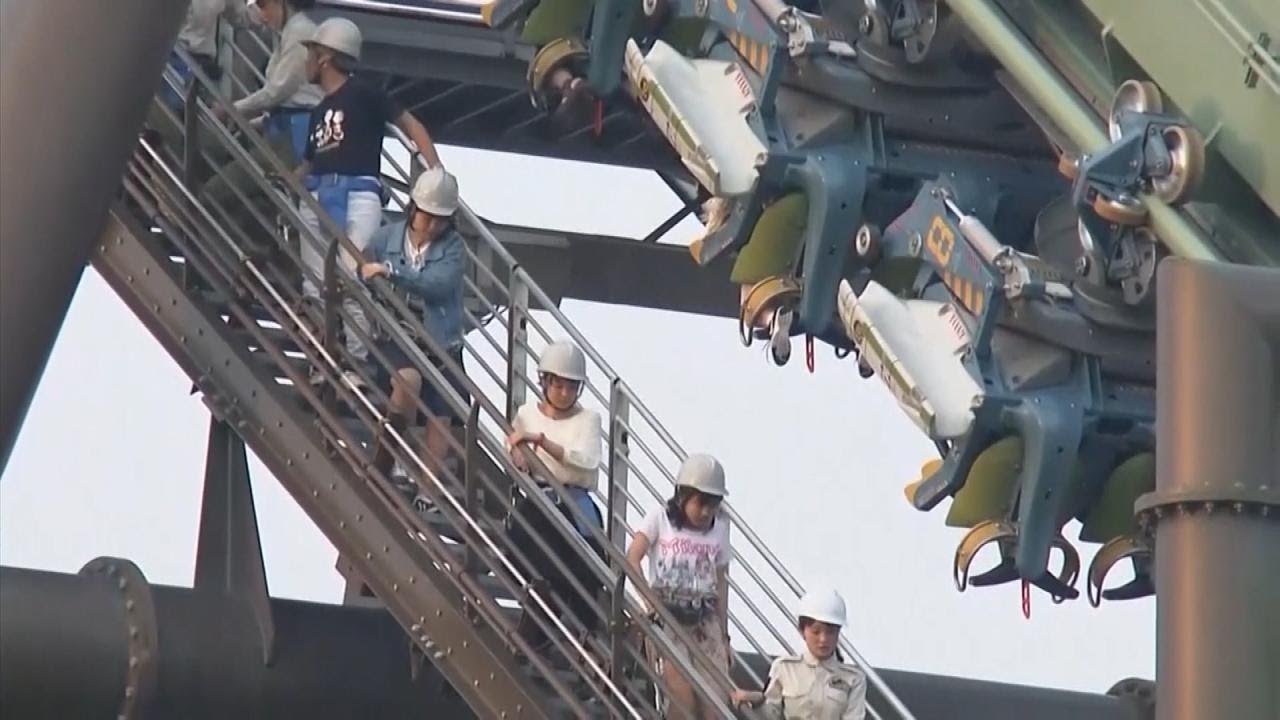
[(343, 62), (806, 622), (676, 503)]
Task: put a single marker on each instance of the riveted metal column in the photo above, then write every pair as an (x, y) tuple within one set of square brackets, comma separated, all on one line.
[(1216, 507), (75, 81)]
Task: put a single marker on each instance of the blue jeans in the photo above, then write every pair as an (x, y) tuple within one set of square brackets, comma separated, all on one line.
[(176, 101), (356, 211)]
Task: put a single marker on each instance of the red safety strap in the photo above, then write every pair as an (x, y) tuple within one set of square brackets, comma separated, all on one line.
[(808, 352), (1026, 599), (597, 125)]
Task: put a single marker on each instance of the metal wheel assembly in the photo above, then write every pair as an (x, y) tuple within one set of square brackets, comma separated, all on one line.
[(655, 13), (1186, 154), (1123, 210), (1068, 166), (1139, 96), (866, 244)]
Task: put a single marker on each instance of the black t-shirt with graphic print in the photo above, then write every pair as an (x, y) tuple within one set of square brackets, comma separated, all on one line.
[(347, 128)]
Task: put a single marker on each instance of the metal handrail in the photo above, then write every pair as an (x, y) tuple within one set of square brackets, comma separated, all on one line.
[(545, 304), (351, 391), (540, 301)]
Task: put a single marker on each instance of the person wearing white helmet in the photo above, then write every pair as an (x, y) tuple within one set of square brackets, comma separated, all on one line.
[(286, 98), (816, 684), (687, 543), (565, 438), (342, 160), (423, 258), (563, 434)]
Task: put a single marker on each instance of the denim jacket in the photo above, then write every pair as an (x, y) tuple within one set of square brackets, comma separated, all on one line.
[(436, 286)]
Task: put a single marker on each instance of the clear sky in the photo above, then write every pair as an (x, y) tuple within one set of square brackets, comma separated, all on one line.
[(111, 458)]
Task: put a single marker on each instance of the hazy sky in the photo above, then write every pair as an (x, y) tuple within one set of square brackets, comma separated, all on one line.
[(111, 458)]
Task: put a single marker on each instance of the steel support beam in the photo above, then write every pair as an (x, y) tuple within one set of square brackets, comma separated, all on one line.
[(65, 649), (620, 271), (363, 527), (62, 642), (75, 78), (229, 552), (1216, 508)]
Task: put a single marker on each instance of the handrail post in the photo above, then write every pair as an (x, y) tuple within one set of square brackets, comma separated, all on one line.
[(517, 339), (619, 448), (473, 499), (618, 627), (332, 297), (190, 131)]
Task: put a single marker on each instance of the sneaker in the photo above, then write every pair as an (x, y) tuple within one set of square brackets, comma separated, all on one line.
[(423, 504), (400, 480), (353, 378), (780, 336)]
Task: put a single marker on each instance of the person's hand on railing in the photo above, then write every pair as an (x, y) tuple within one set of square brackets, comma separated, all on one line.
[(371, 270), (518, 438), (746, 698)]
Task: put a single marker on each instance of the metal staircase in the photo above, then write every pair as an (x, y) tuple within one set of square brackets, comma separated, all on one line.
[(216, 278)]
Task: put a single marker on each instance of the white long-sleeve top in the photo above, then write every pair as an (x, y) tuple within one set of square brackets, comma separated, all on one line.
[(286, 76), (578, 434), (199, 34), (802, 687)]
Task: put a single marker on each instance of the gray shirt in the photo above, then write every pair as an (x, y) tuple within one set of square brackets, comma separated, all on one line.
[(286, 76), (199, 34)]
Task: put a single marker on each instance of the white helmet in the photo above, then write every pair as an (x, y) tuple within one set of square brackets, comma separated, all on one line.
[(824, 606), (436, 192), (563, 359), (339, 35), (702, 473)]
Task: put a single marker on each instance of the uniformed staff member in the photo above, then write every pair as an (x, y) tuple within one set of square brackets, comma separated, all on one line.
[(814, 685)]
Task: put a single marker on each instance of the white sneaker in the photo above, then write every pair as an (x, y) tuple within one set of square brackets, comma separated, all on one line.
[(316, 377), (780, 336), (353, 378), (423, 504)]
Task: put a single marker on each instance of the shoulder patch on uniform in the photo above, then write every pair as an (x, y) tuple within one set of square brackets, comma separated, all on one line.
[(851, 674), (791, 660)]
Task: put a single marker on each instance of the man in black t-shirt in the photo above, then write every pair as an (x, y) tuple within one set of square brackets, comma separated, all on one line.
[(343, 158)]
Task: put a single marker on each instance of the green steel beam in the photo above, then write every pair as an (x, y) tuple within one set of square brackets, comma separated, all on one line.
[(1093, 62), (1207, 74), (998, 33)]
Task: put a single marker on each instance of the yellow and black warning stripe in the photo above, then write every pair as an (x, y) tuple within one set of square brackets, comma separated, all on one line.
[(969, 293), (755, 52)]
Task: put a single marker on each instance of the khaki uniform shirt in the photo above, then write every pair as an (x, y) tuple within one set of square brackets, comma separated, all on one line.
[(804, 688)]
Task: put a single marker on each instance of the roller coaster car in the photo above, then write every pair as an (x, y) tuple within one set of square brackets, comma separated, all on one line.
[(1032, 422), (1037, 349)]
